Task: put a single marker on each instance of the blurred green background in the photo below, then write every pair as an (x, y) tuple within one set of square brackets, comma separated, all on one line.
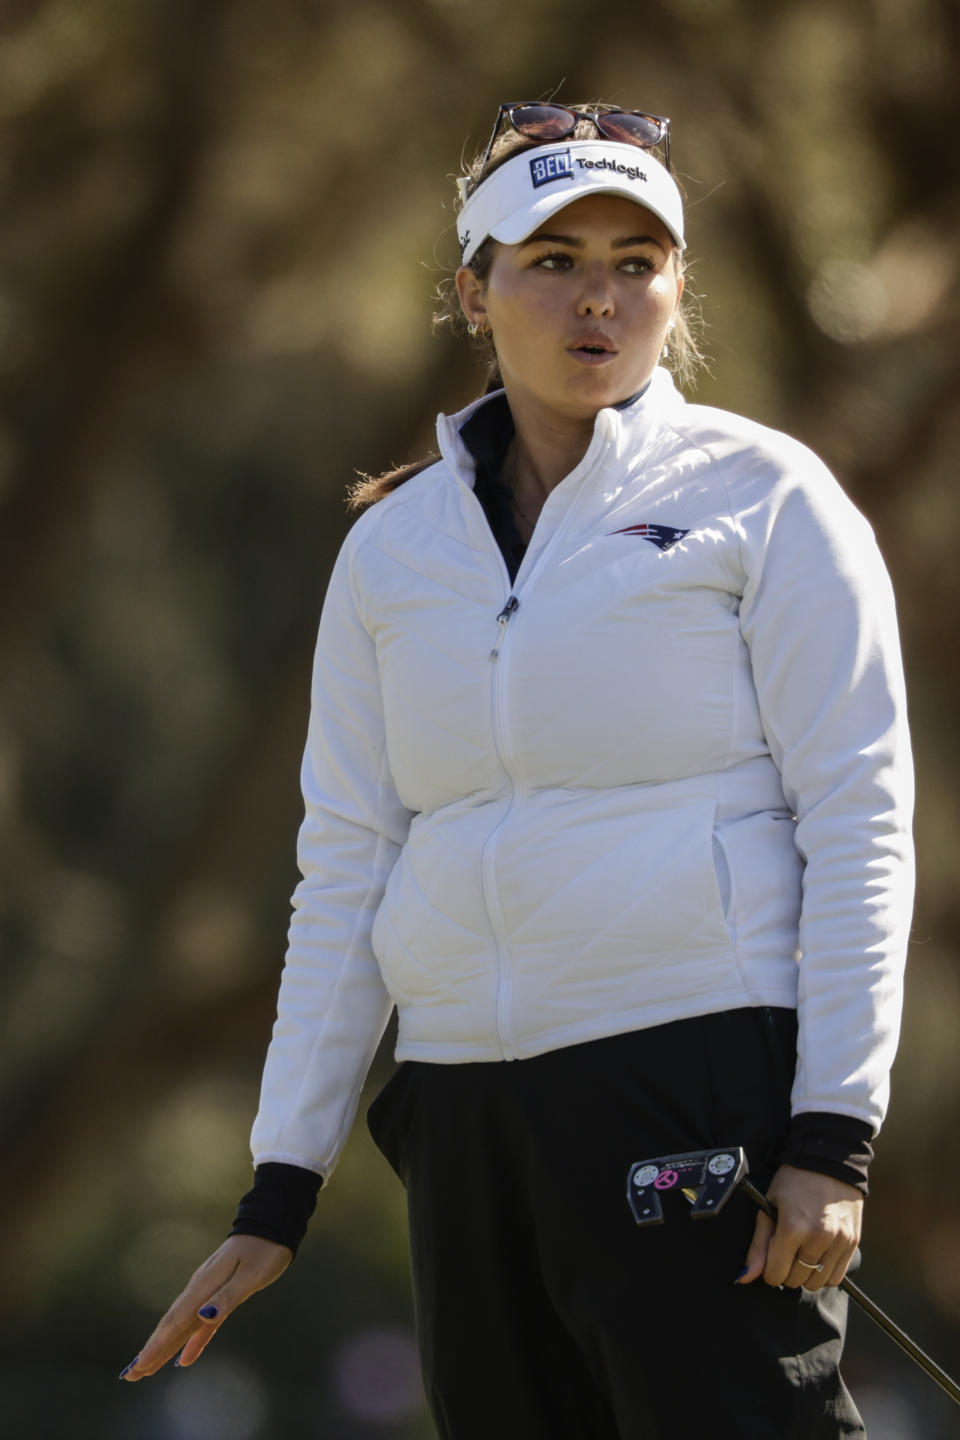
[(222, 224)]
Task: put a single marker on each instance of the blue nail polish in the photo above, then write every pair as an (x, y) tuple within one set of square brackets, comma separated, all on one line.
[(208, 1312), (126, 1371), (176, 1363), (741, 1274)]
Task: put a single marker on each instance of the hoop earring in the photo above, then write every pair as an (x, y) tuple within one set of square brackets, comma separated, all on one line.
[(475, 330)]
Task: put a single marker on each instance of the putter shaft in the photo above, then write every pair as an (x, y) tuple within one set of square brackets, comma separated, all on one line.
[(874, 1311)]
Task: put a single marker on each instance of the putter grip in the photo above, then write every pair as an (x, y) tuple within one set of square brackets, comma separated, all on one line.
[(876, 1314)]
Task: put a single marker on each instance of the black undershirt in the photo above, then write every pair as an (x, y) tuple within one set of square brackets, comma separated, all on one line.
[(283, 1197), (487, 435)]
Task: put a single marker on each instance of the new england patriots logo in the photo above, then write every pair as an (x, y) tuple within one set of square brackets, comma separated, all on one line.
[(663, 536)]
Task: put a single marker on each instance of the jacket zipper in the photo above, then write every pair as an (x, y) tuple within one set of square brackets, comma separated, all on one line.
[(502, 619), (500, 733), (498, 721)]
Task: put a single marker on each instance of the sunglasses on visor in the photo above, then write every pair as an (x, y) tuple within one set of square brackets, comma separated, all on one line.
[(546, 121)]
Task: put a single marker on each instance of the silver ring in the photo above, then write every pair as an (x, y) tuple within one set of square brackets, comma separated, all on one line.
[(807, 1266)]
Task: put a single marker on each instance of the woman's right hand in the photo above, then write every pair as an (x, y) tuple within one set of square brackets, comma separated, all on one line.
[(243, 1265)]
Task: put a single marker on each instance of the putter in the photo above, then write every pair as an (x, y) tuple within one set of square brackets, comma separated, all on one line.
[(708, 1178)]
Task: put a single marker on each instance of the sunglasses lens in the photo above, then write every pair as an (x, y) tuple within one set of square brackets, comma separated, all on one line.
[(543, 122), (640, 130)]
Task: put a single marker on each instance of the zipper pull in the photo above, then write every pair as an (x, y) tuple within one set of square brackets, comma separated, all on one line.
[(512, 604)]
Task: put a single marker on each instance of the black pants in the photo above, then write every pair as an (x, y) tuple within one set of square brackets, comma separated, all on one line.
[(543, 1312)]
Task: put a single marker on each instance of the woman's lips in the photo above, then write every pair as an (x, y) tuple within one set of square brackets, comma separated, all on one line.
[(594, 348), (586, 355)]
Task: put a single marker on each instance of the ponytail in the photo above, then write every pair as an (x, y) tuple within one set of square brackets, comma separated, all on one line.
[(368, 489)]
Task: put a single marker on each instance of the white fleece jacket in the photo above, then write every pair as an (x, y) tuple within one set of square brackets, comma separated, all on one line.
[(682, 784)]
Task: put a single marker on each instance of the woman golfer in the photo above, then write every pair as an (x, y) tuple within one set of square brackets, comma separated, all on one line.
[(608, 792)]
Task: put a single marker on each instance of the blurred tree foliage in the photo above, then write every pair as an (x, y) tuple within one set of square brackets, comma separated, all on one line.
[(222, 227)]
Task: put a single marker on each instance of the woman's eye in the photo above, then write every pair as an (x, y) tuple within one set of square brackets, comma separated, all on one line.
[(637, 265), (558, 261)]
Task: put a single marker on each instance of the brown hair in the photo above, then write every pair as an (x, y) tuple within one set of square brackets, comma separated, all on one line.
[(683, 360)]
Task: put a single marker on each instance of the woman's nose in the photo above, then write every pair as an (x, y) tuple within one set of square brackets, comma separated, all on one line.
[(596, 296)]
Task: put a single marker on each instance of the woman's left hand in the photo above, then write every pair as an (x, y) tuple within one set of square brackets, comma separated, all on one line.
[(818, 1221)]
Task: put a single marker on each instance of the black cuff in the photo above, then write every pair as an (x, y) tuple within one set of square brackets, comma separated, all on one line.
[(835, 1145), (280, 1204)]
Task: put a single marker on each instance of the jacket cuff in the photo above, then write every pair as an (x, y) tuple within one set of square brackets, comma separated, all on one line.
[(280, 1204), (835, 1145)]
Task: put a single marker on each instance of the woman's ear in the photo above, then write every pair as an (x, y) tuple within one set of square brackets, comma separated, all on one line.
[(472, 292)]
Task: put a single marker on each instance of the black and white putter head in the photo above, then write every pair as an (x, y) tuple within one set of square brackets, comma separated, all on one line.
[(706, 1177)]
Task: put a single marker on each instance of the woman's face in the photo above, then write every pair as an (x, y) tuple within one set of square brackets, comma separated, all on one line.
[(579, 311)]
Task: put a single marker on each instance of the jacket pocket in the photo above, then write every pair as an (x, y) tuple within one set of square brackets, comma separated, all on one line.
[(723, 876)]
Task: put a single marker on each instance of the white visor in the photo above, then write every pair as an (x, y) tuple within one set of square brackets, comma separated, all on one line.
[(527, 189)]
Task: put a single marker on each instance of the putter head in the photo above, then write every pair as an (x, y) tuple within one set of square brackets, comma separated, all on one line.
[(707, 1177)]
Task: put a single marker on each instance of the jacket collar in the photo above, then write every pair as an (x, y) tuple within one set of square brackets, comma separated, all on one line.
[(615, 430)]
